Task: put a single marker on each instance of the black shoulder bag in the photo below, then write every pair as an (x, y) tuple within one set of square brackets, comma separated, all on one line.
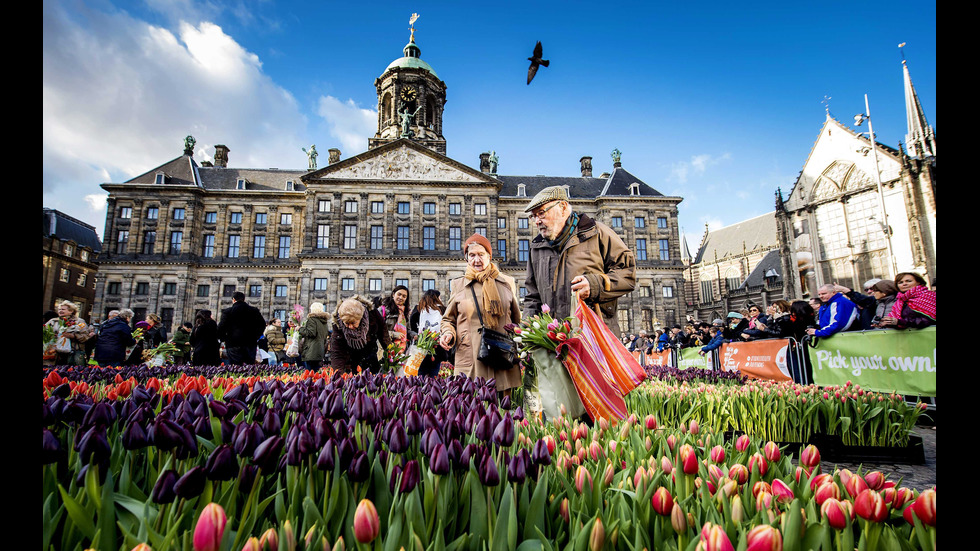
[(497, 350)]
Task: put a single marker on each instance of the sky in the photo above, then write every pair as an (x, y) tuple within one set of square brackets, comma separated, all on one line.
[(715, 102)]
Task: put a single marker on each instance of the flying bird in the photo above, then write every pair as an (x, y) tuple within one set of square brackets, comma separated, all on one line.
[(535, 60)]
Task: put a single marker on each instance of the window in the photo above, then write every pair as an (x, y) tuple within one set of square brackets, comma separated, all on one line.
[(83, 254), (707, 294), (664, 249), (617, 222), (645, 291), (149, 239), (290, 185), (668, 291), (282, 290), (203, 290), (122, 239), (639, 222), (236, 218), (377, 237), (377, 207), (65, 275), (522, 223), (480, 209), (662, 222), (428, 208), (641, 249), (732, 279), (402, 242), (208, 250), (523, 246), (404, 207), (125, 212), (401, 282), (634, 189), (502, 249), (261, 218), (323, 205), (69, 249), (521, 192), (234, 245), (482, 230), (152, 213), (113, 288), (428, 284), (523, 292), (455, 238), (374, 285), (286, 218), (319, 284), (350, 205), (255, 290), (258, 246), (176, 240), (322, 236), (284, 244), (501, 223), (241, 183), (455, 209), (228, 290), (169, 288), (210, 217), (350, 236), (429, 238), (178, 213), (347, 284), (142, 288), (279, 314)]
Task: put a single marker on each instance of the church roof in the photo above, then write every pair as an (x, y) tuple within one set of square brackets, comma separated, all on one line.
[(769, 264), (617, 184), (179, 172), (66, 228), (748, 235), (256, 179)]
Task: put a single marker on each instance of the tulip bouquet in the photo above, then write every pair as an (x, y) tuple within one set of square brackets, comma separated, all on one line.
[(544, 331), (425, 345)]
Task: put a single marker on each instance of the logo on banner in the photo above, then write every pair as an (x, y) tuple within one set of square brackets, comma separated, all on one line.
[(728, 362)]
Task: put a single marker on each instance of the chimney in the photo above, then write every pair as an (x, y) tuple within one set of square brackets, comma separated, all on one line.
[(485, 163), (334, 155), (586, 166), (221, 156)]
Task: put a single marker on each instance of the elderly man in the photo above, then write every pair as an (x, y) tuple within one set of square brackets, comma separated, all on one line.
[(240, 327), (575, 254), (836, 314)]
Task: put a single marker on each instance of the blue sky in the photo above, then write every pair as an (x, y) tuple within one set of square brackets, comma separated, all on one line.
[(716, 102)]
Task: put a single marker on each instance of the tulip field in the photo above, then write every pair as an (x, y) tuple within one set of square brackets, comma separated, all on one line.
[(256, 458)]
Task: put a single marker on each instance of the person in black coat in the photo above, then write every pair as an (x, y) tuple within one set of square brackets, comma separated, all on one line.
[(204, 340), (115, 336), (358, 332), (240, 327)]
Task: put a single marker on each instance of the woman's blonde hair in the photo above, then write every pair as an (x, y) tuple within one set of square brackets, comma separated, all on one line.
[(70, 305), (350, 311)]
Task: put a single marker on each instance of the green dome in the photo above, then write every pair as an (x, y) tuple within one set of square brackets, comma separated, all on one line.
[(412, 60)]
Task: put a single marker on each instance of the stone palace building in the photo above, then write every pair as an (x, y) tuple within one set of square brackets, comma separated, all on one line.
[(185, 235)]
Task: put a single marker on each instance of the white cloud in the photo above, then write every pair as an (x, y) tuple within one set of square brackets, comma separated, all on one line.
[(119, 95), (348, 123), (697, 165)]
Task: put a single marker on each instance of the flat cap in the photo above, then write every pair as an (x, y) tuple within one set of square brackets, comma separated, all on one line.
[(546, 195)]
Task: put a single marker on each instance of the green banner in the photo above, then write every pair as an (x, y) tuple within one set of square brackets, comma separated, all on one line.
[(689, 357), (888, 360)]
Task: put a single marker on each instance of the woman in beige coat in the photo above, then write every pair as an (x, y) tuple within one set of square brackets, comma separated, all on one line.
[(498, 305)]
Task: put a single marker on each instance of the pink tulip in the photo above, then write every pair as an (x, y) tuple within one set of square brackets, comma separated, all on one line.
[(869, 505), (639, 477), (717, 454), (781, 491), (210, 528), (563, 510), (665, 465), (367, 524), (608, 474), (662, 501), (764, 538), (671, 442), (835, 513), (714, 538), (925, 507), (269, 539), (651, 422), (739, 473), (758, 461), (252, 544), (771, 450), (678, 521), (545, 308), (825, 491), (810, 457), (761, 486), (688, 459), (742, 443), (875, 480), (820, 479), (694, 428), (142, 547), (583, 480)]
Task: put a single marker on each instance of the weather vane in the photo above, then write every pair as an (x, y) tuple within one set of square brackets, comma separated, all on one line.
[(826, 103), (411, 21), (900, 46)]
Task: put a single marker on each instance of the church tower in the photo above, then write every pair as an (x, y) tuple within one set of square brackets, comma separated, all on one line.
[(920, 138), (411, 99)]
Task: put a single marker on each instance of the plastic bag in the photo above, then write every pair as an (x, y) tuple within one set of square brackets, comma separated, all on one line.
[(554, 386)]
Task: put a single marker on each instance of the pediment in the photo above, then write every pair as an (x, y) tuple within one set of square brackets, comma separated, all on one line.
[(402, 160)]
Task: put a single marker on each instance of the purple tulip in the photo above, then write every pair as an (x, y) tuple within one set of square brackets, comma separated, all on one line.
[(165, 434), (267, 453), (413, 423), (345, 453), (227, 430), (360, 467), (484, 428), (540, 454), (398, 441), (191, 484), (134, 437), (218, 408), (487, 470), (334, 406), (51, 449), (503, 434), (411, 475), (236, 393), (247, 438), (516, 469), (429, 440), (94, 445), (439, 460), (246, 477), (271, 423), (221, 464), (202, 428), (325, 461), (163, 490)]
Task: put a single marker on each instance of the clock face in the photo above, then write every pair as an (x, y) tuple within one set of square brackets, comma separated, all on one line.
[(409, 94)]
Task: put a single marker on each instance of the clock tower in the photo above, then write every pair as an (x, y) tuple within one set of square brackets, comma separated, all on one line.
[(411, 99)]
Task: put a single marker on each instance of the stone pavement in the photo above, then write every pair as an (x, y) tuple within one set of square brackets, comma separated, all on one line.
[(917, 477)]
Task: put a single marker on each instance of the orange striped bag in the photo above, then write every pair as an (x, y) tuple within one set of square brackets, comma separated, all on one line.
[(626, 371), (593, 381)]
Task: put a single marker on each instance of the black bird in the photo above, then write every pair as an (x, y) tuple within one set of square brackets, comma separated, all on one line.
[(535, 61)]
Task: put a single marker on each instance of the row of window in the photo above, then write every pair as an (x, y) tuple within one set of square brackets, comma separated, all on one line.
[(668, 291), (402, 207), (69, 250), (638, 222), (65, 277)]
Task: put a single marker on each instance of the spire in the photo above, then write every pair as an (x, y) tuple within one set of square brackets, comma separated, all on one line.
[(685, 250), (920, 139)]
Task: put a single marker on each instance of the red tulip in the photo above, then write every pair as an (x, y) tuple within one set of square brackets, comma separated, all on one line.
[(764, 538), (714, 538), (758, 461), (826, 491), (820, 479), (869, 505), (782, 492), (717, 454), (835, 513), (771, 450), (902, 496), (875, 480), (662, 501), (210, 528), (688, 459), (739, 473), (810, 457), (651, 421), (367, 524), (742, 443), (855, 486), (925, 507)]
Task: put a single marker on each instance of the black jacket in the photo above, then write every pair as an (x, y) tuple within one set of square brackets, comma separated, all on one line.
[(204, 344), (241, 325), (114, 337)]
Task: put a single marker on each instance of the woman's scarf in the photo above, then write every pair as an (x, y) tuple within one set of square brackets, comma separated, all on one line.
[(559, 242), (491, 299), (357, 337), (919, 298)]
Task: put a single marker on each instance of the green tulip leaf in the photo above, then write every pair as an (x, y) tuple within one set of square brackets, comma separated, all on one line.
[(506, 524), (530, 545), (81, 518), (536, 519)]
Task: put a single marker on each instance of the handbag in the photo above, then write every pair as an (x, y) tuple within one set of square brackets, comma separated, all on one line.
[(497, 350)]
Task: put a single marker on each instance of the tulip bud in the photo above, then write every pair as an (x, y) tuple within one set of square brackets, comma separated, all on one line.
[(252, 544), (739, 473), (714, 538), (820, 479), (564, 511), (694, 427), (651, 422), (902, 496), (677, 519), (810, 456), (875, 480), (764, 537), (583, 480), (688, 459), (142, 547), (598, 535), (758, 461), (771, 451), (717, 454), (835, 513), (288, 536), (761, 486), (738, 510), (662, 501), (210, 528), (489, 475), (826, 491), (191, 484), (608, 474), (855, 486), (671, 442), (339, 544), (925, 507), (742, 443), (665, 465), (367, 524)]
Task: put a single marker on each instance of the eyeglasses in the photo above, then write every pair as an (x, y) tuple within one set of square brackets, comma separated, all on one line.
[(540, 214)]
